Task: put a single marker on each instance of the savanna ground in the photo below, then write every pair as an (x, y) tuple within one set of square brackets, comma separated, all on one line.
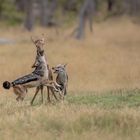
[(103, 101)]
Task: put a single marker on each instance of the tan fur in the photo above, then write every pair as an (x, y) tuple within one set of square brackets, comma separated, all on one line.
[(47, 81), (20, 91), (20, 87)]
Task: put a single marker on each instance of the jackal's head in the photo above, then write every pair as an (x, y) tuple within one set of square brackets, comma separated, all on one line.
[(59, 68), (39, 43)]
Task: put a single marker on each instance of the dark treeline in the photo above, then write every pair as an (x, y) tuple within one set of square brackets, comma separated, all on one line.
[(47, 12)]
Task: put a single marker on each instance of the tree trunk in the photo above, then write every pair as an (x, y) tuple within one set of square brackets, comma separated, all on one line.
[(1, 7), (110, 4), (47, 12), (29, 20), (70, 5), (20, 5), (43, 12), (133, 7), (86, 14)]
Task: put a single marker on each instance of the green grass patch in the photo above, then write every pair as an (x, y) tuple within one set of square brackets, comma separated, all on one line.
[(111, 99)]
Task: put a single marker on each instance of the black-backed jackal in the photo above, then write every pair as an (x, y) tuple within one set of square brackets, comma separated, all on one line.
[(61, 79), (39, 43), (40, 77), (35, 79)]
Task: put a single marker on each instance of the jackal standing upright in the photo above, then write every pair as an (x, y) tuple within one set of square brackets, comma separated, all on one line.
[(35, 79), (39, 45)]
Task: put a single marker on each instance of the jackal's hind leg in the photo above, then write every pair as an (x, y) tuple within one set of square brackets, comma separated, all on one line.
[(48, 95), (42, 94), (21, 98), (18, 98), (37, 90)]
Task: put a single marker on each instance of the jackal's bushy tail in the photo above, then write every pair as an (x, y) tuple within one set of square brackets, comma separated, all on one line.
[(6, 85), (25, 79)]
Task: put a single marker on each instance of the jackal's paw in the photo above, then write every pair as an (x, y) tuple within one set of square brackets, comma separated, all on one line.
[(17, 98)]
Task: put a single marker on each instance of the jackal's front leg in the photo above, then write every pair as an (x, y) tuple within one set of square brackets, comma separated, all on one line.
[(51, 85), (52, 90)]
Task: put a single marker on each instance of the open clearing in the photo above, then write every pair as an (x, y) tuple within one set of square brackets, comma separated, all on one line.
[(110, 115), (103, 101)]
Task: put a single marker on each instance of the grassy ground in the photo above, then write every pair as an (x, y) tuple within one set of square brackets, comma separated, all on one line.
[(103, 101), (102, 116)]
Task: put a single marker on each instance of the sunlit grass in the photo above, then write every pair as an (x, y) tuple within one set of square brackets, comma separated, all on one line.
[(113, 115)]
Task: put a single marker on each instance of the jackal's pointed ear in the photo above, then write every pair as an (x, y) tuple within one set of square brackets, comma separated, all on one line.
[(33, 39), (65, 65), (43, 38)]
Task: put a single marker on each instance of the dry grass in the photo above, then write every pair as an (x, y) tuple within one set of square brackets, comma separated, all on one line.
[(66, 121), (108, 59)]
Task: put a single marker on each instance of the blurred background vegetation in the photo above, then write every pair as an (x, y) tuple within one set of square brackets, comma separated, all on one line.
[(56, 13)]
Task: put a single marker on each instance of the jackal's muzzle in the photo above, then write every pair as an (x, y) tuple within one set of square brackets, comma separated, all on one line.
[(55, 70), (58, 68)]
